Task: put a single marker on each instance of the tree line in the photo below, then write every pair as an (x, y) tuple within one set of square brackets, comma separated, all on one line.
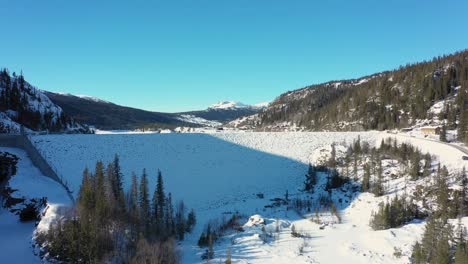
[(387, 100), (108, 224), (19, 96)]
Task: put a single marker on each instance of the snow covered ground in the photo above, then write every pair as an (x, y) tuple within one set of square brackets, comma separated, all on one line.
[(15, 236), (221, 173), (447, 154), (203, 169)]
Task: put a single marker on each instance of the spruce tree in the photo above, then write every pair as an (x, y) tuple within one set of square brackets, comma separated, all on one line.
[(366, 179), (158, 201), (461, 250), (377, 187), (191, 220), (169, 216), (117, 184), (133, 199), (101, 205), (418, 255), (180, 222), (311, 178), (443, 133), (415, 166), (442, 193), (86, 198), (144, 203)]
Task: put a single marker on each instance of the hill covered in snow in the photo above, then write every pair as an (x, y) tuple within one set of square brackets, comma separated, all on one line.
[(109, 116), (106, 115), (225, 111), (23, 104), (392, 99)]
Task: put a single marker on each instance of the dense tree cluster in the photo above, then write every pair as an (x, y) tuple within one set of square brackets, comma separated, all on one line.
[(439, 245), (392, 99), (17, 96), (416, 163), (395, 213), (108, 224)]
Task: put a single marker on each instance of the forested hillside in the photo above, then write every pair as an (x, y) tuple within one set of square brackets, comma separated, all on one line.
[(23, 104), (106, 115), (392, 99)]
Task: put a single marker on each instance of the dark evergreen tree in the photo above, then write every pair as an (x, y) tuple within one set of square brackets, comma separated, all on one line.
[(311, 178), (461, 247), (144, 203), (180, 221), (159, 198), (365, 186), (443, 133), (191, 220), (117, 181)]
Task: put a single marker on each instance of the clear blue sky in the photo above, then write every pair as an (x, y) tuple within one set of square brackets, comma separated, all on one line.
[(179, 55)]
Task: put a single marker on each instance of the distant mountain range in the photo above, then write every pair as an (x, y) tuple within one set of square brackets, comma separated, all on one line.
[(226, 111), (21, 104), (394, 99), (106, 115)]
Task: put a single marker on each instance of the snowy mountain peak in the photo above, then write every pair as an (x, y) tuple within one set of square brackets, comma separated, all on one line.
[(262, 105), (228, 105)]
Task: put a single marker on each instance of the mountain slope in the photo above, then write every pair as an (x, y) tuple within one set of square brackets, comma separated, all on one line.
[(386, 100), (109, 116), (23, 104), (106, 115)]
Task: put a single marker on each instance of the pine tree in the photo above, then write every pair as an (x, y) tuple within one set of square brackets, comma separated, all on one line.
[(117, 183), (111, 199), (132, 206), (377, 187), (418, 255), (442, 193), (169, 216), (144, 203), (159, 198), (191, 221), (86, 197), (415, 166), (311, 178), (180, 222), (101, 205), (443, 133), (366, 179), (461, 250)]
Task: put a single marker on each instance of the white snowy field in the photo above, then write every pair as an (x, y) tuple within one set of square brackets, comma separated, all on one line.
[(15, 236), (220, 173), (203, 169)]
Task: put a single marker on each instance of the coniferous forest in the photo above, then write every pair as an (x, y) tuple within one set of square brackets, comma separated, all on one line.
[(435, 202), (28, 106), (110, 224), (387, 100)]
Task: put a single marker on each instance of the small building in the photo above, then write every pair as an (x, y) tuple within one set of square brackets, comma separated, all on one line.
[(429, 130)]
